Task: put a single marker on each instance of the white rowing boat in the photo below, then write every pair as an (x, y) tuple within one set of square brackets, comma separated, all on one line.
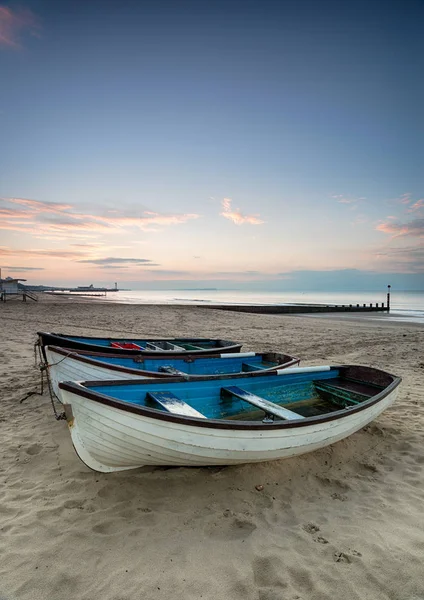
[(119, 425)]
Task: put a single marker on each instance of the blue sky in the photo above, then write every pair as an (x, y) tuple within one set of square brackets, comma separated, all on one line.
[(211, 141)]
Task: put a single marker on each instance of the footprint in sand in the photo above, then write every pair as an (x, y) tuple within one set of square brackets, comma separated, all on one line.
[(107, 528), (310, 528), (231, 529), (334, 483), (34, 449), (342, 557), (337, 496), (321, 540), (369, 467)]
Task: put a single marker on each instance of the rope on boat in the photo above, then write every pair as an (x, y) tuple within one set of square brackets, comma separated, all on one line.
[(70, 353), (43, 366), (36, 365), (37, 343)]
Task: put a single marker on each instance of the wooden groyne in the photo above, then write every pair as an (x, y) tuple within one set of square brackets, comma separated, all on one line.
[(287, 309)]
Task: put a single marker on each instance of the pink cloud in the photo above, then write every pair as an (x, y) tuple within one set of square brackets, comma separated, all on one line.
[(38, 206), (417, 206), (150, 218), (13, 214), (51, 253), (14, 23), (236, 216), (414, 228), (47, 218), (405, 198)]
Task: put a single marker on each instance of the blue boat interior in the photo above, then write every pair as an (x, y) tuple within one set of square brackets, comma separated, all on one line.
[(261, 398), (197, 366), (175, 344)]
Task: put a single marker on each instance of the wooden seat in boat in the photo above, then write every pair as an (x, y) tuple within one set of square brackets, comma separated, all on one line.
[(150, 346), (192, 347), (171, 346), (270, 408), (173, 404), (357, 387), (341, 391)]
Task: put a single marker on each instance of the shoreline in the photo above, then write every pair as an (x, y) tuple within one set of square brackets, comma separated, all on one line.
[(381, 317)]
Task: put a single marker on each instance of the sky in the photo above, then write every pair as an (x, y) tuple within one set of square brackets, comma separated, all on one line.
[(219, 143)]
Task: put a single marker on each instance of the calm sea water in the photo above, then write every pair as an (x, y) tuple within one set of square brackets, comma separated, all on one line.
[(405, 306)]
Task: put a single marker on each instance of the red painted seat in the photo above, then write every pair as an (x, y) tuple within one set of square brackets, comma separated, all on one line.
[(125, 345)]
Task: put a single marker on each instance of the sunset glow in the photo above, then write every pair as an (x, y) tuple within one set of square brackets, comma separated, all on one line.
[(170, 154)]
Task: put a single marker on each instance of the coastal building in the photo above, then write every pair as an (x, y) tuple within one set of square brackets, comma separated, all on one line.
[(10, 285), (11, 288)]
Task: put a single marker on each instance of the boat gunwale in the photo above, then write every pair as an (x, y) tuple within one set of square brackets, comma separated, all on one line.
[(79, 389), (80, 355)]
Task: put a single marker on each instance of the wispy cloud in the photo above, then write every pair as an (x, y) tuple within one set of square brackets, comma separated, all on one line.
[(54, 218), (418, 206), (404, 198), (15, 23), (407, 259), (149, 218), (414, 228), (122, 261), (87, 245), (21, 269), (236, 216), (39, 206), (37, 253), (352, 202)]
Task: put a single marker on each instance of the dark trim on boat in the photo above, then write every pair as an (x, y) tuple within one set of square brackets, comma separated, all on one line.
[(374, 376), (59, 339), (87, 357)]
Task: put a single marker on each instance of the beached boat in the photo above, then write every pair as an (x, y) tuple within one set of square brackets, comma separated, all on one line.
[(119, 425), (128, 346), (75, 365)]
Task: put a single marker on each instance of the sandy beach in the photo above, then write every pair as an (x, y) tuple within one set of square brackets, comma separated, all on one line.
[(344, 522)]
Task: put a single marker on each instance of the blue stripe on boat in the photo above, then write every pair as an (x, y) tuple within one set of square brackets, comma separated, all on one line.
[(200, 366)]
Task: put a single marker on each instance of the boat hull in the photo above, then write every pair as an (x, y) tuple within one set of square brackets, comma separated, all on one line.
[(108, 439)]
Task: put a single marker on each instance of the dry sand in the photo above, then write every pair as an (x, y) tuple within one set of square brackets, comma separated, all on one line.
[(342, 523)]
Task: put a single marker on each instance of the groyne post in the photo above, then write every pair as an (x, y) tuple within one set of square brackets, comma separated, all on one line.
[(388, 298)]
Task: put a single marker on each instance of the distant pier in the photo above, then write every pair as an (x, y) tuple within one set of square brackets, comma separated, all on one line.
[(299, 308), (82, 290), (292, 309)]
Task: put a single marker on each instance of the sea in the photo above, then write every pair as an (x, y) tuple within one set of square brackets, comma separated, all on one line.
[(404, 306)]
